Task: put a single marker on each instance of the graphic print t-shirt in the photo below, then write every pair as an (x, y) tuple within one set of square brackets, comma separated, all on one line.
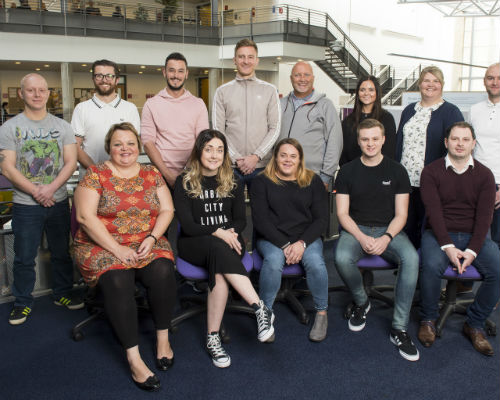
[(39, 147)]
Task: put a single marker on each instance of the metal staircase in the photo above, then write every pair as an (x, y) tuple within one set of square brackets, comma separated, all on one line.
[(408, 83), (344, 62)]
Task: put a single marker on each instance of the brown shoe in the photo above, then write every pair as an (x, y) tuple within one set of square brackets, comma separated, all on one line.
[(427, 333), (478, 340)]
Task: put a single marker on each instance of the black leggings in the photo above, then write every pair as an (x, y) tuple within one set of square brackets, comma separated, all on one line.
[(118, 289)]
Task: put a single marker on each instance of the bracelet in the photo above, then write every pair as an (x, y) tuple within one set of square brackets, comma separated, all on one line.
[(388, 234), (285, 246), (151, 236)]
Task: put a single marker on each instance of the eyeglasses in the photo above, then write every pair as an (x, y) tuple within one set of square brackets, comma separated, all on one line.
[(100, 77)]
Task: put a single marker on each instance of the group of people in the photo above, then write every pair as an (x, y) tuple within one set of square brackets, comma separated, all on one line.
[(287, 152)]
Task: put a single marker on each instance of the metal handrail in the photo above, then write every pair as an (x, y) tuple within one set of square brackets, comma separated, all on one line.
[(403, 84)]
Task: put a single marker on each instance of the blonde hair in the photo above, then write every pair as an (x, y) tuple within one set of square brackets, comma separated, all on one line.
[(434, 71), (191, 181), (304, 175)]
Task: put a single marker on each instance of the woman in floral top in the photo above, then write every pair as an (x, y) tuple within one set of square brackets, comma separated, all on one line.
[(420, 139), (123, 209)]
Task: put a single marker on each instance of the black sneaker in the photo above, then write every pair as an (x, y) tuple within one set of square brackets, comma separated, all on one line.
[(19, 314), (71, 301), (357, 319), (265, 319), (214, 347), (406, 347)]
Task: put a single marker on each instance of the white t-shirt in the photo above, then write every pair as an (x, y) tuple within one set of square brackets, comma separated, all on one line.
[(92, 119), (485, 118)]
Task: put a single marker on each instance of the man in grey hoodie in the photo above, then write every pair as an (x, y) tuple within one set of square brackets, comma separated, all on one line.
[(312, 119)]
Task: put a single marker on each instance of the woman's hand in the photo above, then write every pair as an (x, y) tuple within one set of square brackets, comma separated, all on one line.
[(145, 247), (126, 255), (230, 237)]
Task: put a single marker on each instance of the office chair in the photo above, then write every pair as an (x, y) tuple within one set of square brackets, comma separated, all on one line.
[(453, 305)]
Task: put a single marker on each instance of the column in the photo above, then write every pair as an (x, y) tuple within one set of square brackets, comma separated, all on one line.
[(213, 84), (67, 90)]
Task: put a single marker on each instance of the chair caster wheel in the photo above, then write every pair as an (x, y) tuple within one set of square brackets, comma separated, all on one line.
[(77, 336)]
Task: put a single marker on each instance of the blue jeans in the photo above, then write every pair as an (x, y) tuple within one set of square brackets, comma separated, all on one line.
[(247, 179), (400, 251), (272, 268), (28, 224), (434, 263)]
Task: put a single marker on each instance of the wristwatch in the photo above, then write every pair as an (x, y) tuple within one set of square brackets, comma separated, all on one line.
[(303, 243)]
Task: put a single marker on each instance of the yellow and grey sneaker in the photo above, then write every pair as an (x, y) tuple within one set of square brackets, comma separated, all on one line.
[(71, 301), (19, 314)]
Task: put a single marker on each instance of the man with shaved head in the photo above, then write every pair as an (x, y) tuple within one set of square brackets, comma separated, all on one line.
[(311, 118), (485, 118), (38, 155)]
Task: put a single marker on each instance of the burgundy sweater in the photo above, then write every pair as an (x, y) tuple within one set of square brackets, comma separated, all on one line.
[(458, 203)]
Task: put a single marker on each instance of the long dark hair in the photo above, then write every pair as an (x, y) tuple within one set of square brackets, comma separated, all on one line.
[(191, 181), (358, 106)]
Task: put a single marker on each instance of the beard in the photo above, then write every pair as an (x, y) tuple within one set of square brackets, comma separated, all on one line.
[(101, 92), (174, 88)]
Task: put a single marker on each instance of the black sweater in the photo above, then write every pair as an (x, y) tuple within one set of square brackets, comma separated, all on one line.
[(203, 215), (351, 148), (287, 213)]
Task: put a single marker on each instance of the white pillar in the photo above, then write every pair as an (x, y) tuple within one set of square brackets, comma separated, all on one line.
[(67, 90), (213, 84)]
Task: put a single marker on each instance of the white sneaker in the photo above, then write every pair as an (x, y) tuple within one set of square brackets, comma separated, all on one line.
[(214, 347)]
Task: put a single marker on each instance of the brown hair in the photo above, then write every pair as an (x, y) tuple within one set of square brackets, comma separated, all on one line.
[(461, 124), (304, 175), (371, 123), (246, 43), (123, 126)]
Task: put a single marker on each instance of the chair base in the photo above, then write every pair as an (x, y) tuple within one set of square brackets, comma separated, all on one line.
[(376, 291), (453, 305)]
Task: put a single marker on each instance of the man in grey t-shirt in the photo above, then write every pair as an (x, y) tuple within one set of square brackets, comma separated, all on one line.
[(38, 155)]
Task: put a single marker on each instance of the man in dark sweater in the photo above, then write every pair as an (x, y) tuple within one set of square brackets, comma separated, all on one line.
[(372, 206), (459, 196)]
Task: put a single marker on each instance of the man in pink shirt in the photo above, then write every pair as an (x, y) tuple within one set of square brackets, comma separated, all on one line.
[(172, 120)]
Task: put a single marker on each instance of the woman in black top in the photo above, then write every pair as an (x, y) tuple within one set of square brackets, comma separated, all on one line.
[(210, 206), (368, 104)]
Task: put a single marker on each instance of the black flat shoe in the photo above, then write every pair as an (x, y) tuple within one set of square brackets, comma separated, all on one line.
[(164, 363), (152, 384)]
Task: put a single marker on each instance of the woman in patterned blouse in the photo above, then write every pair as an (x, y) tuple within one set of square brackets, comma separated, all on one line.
[(420, 139), (124, 208)]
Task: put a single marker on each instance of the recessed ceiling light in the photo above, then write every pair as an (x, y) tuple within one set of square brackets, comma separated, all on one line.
[(300, 60), (46, 65), (143, 66), (37, 69), (278, 58), (140, 72), (84, 65), (18, 62), (158, 69), (206, 71), (235, 70)]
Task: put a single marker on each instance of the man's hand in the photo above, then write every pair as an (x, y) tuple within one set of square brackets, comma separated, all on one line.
[(247, 164), (460, 259), (367, 243), (380, 245), (294, 252), (44, 194)]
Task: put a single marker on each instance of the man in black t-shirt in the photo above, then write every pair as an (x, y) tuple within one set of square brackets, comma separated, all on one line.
[(372, 207)]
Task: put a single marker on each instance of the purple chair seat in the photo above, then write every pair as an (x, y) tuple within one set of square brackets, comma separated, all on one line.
[(192, 272), (288, 270), (374, 262), (470, 273)]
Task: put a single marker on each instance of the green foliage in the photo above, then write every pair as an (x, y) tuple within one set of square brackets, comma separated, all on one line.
[(141, 14), (169, 8)]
